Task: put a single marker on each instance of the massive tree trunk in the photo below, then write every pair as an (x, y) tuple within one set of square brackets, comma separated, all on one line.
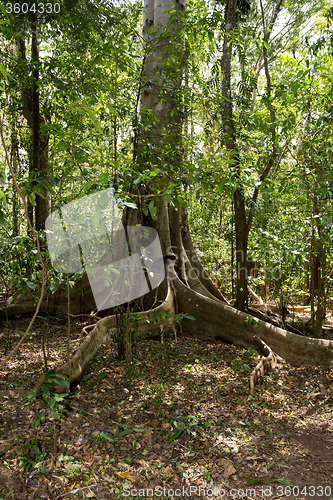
[(186, 287)]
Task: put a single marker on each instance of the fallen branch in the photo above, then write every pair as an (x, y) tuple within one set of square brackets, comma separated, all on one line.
[(265, 365), (90, 316), (255, 295)]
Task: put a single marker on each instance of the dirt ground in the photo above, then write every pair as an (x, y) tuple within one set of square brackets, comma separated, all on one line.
[(182, 425)]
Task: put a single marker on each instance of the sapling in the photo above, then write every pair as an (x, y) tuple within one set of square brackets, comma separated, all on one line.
[(54, 402)]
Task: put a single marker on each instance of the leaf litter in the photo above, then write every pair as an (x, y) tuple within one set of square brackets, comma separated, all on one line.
[(185, 419)]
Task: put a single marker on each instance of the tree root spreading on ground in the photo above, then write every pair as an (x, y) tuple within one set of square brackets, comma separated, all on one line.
[(186, 290), (265, 365)]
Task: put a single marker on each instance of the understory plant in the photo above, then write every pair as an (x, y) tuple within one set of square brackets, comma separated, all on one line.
[(54, 402)]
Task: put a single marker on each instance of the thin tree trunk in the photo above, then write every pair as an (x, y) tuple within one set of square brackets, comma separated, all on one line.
[(319, 273), (38, 153), (242, 221), (230, 140), (36, 118), (15, 164), (27, 111)]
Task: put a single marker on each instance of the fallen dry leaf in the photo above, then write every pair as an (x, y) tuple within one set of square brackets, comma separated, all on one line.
[(224, 462), (168, 470), (90, 494), (124, 475), (123, 466), (230, 469)]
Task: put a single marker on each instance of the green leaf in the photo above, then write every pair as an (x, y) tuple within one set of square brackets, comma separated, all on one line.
[(188, 316), (106, 435), (61, 146), (138, 180), (153, 210), (176, 435), (2, 218), (251, 481), (37, 422), (102, 375), (111, 108), (60, 381), (88, 185), (51, 402), (284, 481), (96, 218), (154, 173), (51, 377), (4, 71), (130, 205), (104, 178), (123, 433), (31, 285), (104, 198)]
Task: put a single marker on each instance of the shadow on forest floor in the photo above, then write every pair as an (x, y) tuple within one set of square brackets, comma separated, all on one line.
[(186, 420)]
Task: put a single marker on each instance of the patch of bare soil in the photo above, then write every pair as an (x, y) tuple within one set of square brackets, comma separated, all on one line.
[(185, 425)]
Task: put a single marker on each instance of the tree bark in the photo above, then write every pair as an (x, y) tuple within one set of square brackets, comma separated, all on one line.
[(36, 116), (40, 154)]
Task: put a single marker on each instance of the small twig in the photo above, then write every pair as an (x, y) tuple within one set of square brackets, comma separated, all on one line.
[(90, 316), (85, 487)]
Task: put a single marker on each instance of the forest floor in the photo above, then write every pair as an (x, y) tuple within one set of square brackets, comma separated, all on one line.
[(185, 426)]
